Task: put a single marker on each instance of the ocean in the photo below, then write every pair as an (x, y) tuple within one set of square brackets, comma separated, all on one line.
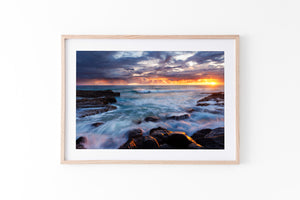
[(137, 102)]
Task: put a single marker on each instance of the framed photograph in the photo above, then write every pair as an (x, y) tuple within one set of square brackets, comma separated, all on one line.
[(150, 99)]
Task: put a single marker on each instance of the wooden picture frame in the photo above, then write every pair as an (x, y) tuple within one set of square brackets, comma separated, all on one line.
[(68, 50)]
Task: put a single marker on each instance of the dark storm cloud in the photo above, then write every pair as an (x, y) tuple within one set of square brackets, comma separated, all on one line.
[(126, 65), (207, 56), (103, 64)]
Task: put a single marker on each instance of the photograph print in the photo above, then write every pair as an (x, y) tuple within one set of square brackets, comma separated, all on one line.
[(150, 100)]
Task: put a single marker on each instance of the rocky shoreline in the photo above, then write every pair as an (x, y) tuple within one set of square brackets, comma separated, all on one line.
[(95, 102), (98, 100), (161, 138)]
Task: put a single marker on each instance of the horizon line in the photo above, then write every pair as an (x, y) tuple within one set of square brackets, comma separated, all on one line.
[(152, 84)]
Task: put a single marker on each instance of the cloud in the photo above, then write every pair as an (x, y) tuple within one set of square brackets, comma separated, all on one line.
[(130, 66)]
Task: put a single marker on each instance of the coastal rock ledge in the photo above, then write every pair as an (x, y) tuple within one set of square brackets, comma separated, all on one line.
[(161, 138), (96, 93), (96, 101)]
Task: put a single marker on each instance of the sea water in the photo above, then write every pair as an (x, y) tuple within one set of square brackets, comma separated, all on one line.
[(138, 102)]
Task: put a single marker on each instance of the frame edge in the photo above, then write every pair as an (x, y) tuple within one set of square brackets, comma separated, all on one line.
[(237, 65), (150, 36), (63, 99), (172, 162)]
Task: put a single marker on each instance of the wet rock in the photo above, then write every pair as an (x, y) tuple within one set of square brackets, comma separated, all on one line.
[(218, 96), (160, 130), (180, 140), (217, 135), (167, 146), (152, 119), (94, 102), (110, 100), (134, 133), (216, 111), (160, 134), (86, 113), (213, 143), (90, 112), (97, 124), (137, 121), (159, 138), (215, 132), (150, 143), (130, 144), (94, 94), (194, 145), (210, 139), (203, 104), (136, 140), (200, 134), (190, 110), (179, 117), (108, 108), (80, 142)]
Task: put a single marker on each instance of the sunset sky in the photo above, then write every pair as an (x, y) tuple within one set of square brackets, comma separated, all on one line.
[(150, 67)]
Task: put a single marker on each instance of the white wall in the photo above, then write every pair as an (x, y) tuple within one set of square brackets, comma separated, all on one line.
[(30, 99)]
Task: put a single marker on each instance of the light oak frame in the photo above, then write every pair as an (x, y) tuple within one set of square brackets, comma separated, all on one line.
[(63, 99)]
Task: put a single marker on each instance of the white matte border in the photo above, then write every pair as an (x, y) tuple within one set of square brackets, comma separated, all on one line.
[(226, 45)]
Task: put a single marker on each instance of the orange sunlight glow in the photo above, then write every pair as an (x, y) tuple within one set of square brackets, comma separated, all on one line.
[(209, 82), (157, 81)]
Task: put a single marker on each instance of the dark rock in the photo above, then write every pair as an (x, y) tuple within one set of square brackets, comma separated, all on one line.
[(134, 133), (180, 140), (200, 134), (110, 100), (136, 140), (213, 139), (130, 144), (108, 108), (137, 121), (216, 133), (140, 142), (94, 94), (90, 112), (160, 134), (150, 143), (97, 124), (94, 102), (159, 130), (80, 142), (167, 146), (190, 110), (194, 145), (202, 104), (217, 111), (218, 96), (152, 119), (86, 113), (212, 143), (179, 117)]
